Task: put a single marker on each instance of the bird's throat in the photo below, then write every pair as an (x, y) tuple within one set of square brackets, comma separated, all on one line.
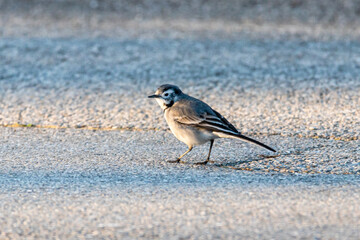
[(169, 104)]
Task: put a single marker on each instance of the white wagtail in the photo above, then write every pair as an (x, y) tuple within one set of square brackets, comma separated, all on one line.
[(194, 122)]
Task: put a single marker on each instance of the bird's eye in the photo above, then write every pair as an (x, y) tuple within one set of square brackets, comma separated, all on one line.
[(166, 94)]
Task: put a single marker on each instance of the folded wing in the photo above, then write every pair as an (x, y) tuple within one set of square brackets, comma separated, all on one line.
[(202, 116)]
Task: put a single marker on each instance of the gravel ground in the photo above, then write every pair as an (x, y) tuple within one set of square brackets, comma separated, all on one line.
[(60, 70), (63, 183), (292, 88), (83, 150)]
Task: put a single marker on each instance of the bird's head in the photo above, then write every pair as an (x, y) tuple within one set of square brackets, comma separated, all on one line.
[(166, 95)]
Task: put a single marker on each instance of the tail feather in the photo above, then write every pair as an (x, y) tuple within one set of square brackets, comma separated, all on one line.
[(250, 140), (245, 139)]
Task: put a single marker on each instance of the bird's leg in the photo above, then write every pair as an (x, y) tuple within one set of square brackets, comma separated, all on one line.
[(208, 157), (178, 160)]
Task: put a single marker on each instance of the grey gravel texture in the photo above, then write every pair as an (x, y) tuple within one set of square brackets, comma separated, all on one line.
[(63, 183), (283, 72), (263, 86), (292, 83)]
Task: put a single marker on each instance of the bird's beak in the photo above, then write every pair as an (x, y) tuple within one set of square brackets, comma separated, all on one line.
[(154, 96)]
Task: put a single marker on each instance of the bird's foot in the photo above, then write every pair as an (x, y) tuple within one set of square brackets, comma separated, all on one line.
[(202, 163), (269, 156), (174, 161)]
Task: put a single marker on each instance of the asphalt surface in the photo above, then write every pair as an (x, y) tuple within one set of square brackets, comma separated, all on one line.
[(117, 184), (83, 151), (262, 86)]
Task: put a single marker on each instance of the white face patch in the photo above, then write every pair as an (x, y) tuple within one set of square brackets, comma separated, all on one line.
[(166, 98), (167, 93), (161, 102)]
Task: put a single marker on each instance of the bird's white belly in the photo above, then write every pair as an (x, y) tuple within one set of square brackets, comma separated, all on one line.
[(191, 136)]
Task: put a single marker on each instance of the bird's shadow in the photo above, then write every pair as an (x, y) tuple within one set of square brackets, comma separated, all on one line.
[(249, 160), (233, 165)]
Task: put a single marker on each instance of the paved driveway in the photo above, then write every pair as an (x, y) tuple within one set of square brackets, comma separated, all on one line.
[(83, 151)]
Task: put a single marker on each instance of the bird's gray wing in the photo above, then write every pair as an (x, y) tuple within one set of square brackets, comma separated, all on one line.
[(188, 112), (225, 121), (201, 115)]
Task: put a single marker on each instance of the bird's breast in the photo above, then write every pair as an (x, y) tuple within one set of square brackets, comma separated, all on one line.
[(188, 134)]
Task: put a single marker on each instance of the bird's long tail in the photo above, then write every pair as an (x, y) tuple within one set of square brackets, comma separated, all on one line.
[(246, 139), (250, 140)]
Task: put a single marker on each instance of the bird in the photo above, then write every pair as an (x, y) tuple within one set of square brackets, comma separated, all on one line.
[(194, 122)]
